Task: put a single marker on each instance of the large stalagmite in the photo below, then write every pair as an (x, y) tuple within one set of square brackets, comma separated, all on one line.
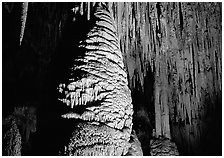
[(102, 91)]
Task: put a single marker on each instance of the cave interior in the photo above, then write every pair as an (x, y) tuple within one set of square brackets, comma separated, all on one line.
[(32, 70)]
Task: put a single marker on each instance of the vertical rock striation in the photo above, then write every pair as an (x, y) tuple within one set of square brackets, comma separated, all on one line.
[(181, 44)]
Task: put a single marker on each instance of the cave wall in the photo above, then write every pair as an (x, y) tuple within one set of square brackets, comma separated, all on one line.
[(172, 53), (180, 43)]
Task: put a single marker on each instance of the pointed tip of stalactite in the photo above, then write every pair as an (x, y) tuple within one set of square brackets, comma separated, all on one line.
[(23, 20), (20, 41)]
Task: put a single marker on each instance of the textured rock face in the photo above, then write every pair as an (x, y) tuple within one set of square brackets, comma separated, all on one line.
[(12, 140), (17, 128), (163, 147), (136, 147), (181, 44), (102, 91), (143, 127), (90, 139)]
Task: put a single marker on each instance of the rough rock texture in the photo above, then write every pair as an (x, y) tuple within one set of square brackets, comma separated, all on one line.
[(17, 129), (136, 148), (89, 139), (163, 147), (101, 91), (12, 141), (143, 126)]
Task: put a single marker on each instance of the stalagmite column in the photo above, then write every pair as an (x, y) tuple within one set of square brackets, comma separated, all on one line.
[(100, 92)]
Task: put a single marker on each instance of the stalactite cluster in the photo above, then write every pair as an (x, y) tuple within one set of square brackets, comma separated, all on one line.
[(181, 43)]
